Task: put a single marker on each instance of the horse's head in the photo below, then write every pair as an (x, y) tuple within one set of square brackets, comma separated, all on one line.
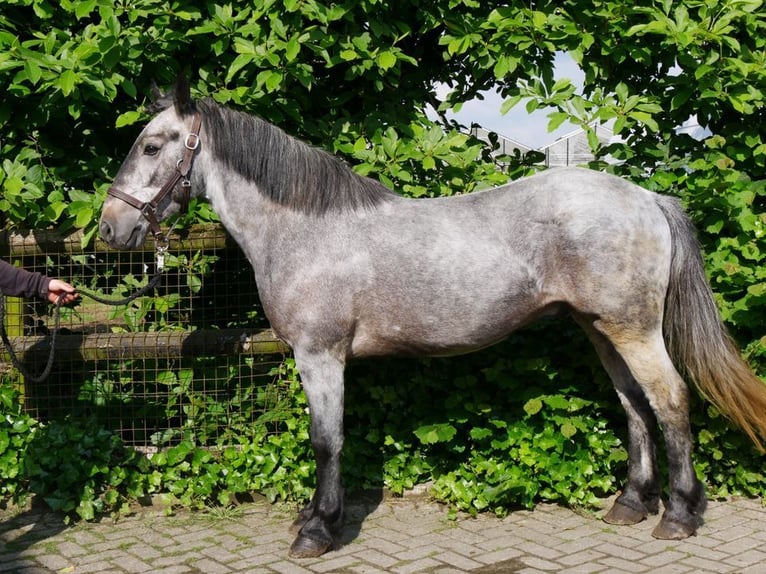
[(154, 180)]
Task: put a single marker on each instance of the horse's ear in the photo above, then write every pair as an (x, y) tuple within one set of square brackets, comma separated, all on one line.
[(159, 101), (156, 92), (182, 100)]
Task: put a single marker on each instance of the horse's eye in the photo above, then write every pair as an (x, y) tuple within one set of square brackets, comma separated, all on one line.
[(150, 149)]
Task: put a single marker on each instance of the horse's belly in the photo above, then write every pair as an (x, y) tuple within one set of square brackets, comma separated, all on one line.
[(457, 332)]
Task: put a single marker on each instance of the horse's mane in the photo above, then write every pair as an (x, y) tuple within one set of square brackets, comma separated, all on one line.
[(286, 170)]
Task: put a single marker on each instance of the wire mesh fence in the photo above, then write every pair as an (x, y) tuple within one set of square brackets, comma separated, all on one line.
[(194, 359)]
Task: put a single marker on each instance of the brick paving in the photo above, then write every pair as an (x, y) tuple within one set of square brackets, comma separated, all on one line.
[(398, 535)]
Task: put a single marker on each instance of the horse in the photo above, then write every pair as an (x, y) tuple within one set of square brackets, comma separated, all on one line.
[(346, 268)]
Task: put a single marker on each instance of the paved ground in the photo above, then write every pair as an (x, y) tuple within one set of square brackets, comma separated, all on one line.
[(396, 535)]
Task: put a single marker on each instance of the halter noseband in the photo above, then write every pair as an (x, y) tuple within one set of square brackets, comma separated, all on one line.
[(149, 208)]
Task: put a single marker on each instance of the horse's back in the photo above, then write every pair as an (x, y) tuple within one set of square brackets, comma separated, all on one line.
[(452, 274), (612, 247)]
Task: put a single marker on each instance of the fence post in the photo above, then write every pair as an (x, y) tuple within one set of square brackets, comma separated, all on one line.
[(14, 327)]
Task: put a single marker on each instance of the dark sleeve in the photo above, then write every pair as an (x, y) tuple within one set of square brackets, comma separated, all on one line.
[(15, 282)]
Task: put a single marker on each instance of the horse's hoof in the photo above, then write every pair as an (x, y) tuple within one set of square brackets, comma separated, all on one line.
[(623, 515), (305, 547), (297, 524), (671, 530)]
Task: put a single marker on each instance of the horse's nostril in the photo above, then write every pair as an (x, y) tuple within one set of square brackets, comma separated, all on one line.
[(106, 231)]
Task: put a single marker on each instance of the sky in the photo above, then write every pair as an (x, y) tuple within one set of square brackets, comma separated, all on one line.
[(517, 124), (532, 129)]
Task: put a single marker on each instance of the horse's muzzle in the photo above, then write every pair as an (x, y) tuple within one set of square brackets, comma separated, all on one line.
[(122, 232)]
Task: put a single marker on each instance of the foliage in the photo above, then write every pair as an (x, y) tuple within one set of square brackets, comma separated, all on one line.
[(17, 430), (356, 78), (83, 470)]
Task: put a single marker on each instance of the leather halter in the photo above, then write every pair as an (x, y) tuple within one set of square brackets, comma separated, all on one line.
[(149, 208)]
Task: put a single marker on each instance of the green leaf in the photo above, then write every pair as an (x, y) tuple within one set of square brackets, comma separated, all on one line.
[(557, 402), (83, 8), (239, 62), (533, 406), (271, 78), (593, 142), (13, 186), (646, 119), (680, 97), (127, 119), (480, 433), (568, 430), (34, 72), (386, 60), (67, 82), (556, 119), (504, 66), (293, 48), (653, 27), (431, 434)]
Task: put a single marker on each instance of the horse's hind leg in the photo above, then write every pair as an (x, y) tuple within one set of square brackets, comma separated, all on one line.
[(641, 493), (646, 357), (317, 523)]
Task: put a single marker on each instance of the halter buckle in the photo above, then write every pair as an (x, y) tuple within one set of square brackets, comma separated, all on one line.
[(148, 210), (192, 141)]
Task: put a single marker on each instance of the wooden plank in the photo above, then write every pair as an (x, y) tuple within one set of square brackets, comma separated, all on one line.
[(152, 345), (42, 242)]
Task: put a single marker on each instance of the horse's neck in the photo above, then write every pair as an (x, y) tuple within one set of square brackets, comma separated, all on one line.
[(240, 207), (254, 222)]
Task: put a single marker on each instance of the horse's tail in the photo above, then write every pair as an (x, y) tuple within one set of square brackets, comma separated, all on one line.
[(698, 341)]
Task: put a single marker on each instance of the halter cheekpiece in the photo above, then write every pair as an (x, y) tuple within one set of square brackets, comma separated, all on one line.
[(149, 208)]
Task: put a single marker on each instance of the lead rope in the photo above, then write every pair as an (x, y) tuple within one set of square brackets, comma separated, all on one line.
[(151, 284), (9, 347)]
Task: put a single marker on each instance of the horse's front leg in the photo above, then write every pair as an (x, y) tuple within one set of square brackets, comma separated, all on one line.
[(317, 524)]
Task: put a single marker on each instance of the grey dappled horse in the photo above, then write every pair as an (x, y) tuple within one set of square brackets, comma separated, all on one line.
[(347, 269)]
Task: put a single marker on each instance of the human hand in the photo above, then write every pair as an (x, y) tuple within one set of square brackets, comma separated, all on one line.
[(57, 288)]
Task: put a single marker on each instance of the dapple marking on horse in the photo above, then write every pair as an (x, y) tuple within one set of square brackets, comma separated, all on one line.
[(347, 269)]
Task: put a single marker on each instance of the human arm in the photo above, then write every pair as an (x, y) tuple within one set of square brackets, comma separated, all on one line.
[(16, 282)]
